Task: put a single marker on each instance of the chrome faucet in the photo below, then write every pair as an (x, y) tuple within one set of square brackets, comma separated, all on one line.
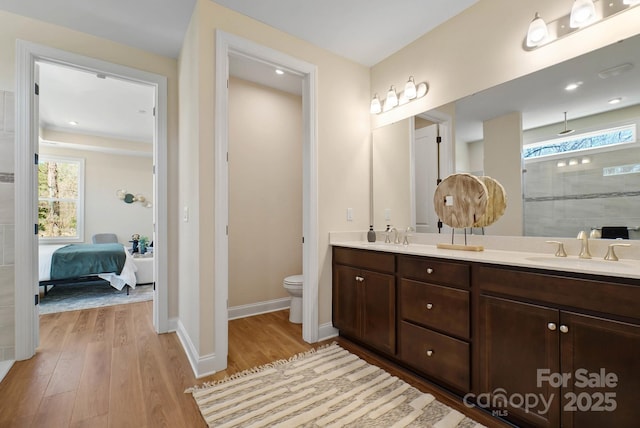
[(584, 251), (395, 235), (407, 234)]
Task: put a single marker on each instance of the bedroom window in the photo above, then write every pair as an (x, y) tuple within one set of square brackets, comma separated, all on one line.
[(60, 199)]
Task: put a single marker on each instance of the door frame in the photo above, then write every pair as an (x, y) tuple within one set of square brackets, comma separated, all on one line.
[(226, 44), (26, 247)]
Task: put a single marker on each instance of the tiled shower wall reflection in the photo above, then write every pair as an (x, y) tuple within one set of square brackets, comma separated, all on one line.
[(571, 193), (7, 306)]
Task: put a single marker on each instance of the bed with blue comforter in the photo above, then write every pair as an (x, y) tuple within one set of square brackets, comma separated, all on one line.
[(67, 263)]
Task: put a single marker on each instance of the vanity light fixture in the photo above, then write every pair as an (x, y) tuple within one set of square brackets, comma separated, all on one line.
[(537, 31), (412, 91), (376, 107), (583, 13), (585, 160), (573, 162), (560, 164)]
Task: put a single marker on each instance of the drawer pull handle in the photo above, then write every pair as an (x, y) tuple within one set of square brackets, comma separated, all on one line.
[(359, 279), (430, 353), (564, 329), (429, 271), (551, 326), (429, 306)]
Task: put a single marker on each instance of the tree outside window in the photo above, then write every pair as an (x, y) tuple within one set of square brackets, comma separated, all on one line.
[(60, 183)]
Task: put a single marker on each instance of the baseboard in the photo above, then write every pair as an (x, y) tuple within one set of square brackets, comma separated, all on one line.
[(201, 366), (327, 331), (172, 325), (244, 311), (5, 366)]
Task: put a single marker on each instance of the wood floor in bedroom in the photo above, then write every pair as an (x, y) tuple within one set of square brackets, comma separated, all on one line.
[(106, 367)]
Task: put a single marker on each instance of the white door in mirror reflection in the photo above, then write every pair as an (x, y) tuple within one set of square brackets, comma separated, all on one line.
[(426, 175)]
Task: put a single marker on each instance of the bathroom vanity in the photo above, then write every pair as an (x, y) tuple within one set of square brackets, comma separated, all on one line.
[(537, 341)]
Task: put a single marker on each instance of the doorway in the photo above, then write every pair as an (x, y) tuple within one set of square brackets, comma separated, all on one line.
[(27, 135), (265, 187), (228, 44), (95, 147)]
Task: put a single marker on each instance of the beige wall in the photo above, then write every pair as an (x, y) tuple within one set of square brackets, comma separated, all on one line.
[(503, 140), (104, 174), (343, 154), (481, 48), (265, 191), (392, 180), (14, 27)]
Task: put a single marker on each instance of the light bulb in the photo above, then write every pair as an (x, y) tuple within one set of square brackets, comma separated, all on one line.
[(583, 12), (537, 31), (410, 91), (375, 105), (392, 99)]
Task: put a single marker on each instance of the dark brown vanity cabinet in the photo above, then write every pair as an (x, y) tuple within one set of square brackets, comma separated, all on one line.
[(571, 343), (364, 297), (434, 319)]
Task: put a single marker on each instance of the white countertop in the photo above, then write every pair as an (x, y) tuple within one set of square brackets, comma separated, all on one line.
[(625, 268)]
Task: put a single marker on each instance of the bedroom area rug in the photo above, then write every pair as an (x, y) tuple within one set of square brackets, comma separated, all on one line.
[(73, 297), (327, 387)]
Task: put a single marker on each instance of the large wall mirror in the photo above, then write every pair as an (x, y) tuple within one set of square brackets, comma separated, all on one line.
[(561, 176)]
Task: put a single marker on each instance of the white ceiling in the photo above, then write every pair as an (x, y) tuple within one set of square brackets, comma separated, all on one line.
[(365, 31), (104, 106), (541, 96)]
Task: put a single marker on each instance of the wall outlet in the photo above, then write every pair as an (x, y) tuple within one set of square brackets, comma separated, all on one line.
[(349, 214), (387, 214), (185, 214)]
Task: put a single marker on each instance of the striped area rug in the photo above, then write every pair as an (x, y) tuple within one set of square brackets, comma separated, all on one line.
[(328, 387)]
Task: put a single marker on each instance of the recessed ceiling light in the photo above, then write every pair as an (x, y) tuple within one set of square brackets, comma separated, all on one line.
[(572, 86), (73, 123), (615, 100), (278, 71)]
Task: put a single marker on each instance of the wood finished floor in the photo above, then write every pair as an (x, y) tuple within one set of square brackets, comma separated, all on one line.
[(107, 367)]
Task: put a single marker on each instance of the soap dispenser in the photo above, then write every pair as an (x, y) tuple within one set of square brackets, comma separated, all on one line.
[(371, 234)]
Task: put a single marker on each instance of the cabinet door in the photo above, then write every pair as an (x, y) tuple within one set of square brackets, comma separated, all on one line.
[(379, 310), (593, 351), (517, 339), (346, 309)]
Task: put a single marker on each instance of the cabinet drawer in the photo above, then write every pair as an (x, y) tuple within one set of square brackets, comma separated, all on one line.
[(617, 299), (435, 306), (436, 355), (372, 260), (434, 271)]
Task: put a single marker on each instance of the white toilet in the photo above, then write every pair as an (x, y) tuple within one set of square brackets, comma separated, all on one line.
[(293, 284)]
